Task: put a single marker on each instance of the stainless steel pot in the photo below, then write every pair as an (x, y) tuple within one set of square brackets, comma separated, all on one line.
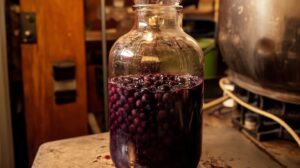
[(260, 42)]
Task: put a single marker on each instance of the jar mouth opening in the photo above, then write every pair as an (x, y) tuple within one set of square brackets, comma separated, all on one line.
[(179, 7)]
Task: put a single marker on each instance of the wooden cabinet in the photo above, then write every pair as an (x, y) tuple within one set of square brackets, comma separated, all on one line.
[(60, 38)]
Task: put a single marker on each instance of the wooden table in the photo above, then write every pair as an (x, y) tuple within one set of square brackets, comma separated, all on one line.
[(223, 146)]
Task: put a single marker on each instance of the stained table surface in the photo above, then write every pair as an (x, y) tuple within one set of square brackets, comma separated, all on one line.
[(223, 146)]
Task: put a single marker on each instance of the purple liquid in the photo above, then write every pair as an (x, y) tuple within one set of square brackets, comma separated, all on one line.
[(155, 121)]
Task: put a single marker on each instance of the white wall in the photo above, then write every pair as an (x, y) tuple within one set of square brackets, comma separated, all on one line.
[(6, 141)]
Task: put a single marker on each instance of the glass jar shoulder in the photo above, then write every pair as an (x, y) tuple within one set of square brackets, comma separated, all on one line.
[(138, 42), (171, 52)]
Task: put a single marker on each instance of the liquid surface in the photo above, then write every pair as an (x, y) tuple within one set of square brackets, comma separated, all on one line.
[(155, 121)]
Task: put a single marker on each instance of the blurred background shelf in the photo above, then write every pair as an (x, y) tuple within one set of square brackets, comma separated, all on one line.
[(95, 35), (200, 15), (112, 34)]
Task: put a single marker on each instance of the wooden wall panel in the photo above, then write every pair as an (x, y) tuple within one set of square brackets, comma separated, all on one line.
[(60, 31)]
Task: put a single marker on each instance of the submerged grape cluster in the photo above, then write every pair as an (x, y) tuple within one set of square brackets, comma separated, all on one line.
[(150, 112)]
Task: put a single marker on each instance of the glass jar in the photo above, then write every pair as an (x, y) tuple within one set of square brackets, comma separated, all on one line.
[(156, 91)]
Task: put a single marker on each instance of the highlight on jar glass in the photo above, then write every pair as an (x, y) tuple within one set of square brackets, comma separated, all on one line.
[(156, 91)]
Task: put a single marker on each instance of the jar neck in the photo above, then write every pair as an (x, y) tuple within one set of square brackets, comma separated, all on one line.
[(158, 17)]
